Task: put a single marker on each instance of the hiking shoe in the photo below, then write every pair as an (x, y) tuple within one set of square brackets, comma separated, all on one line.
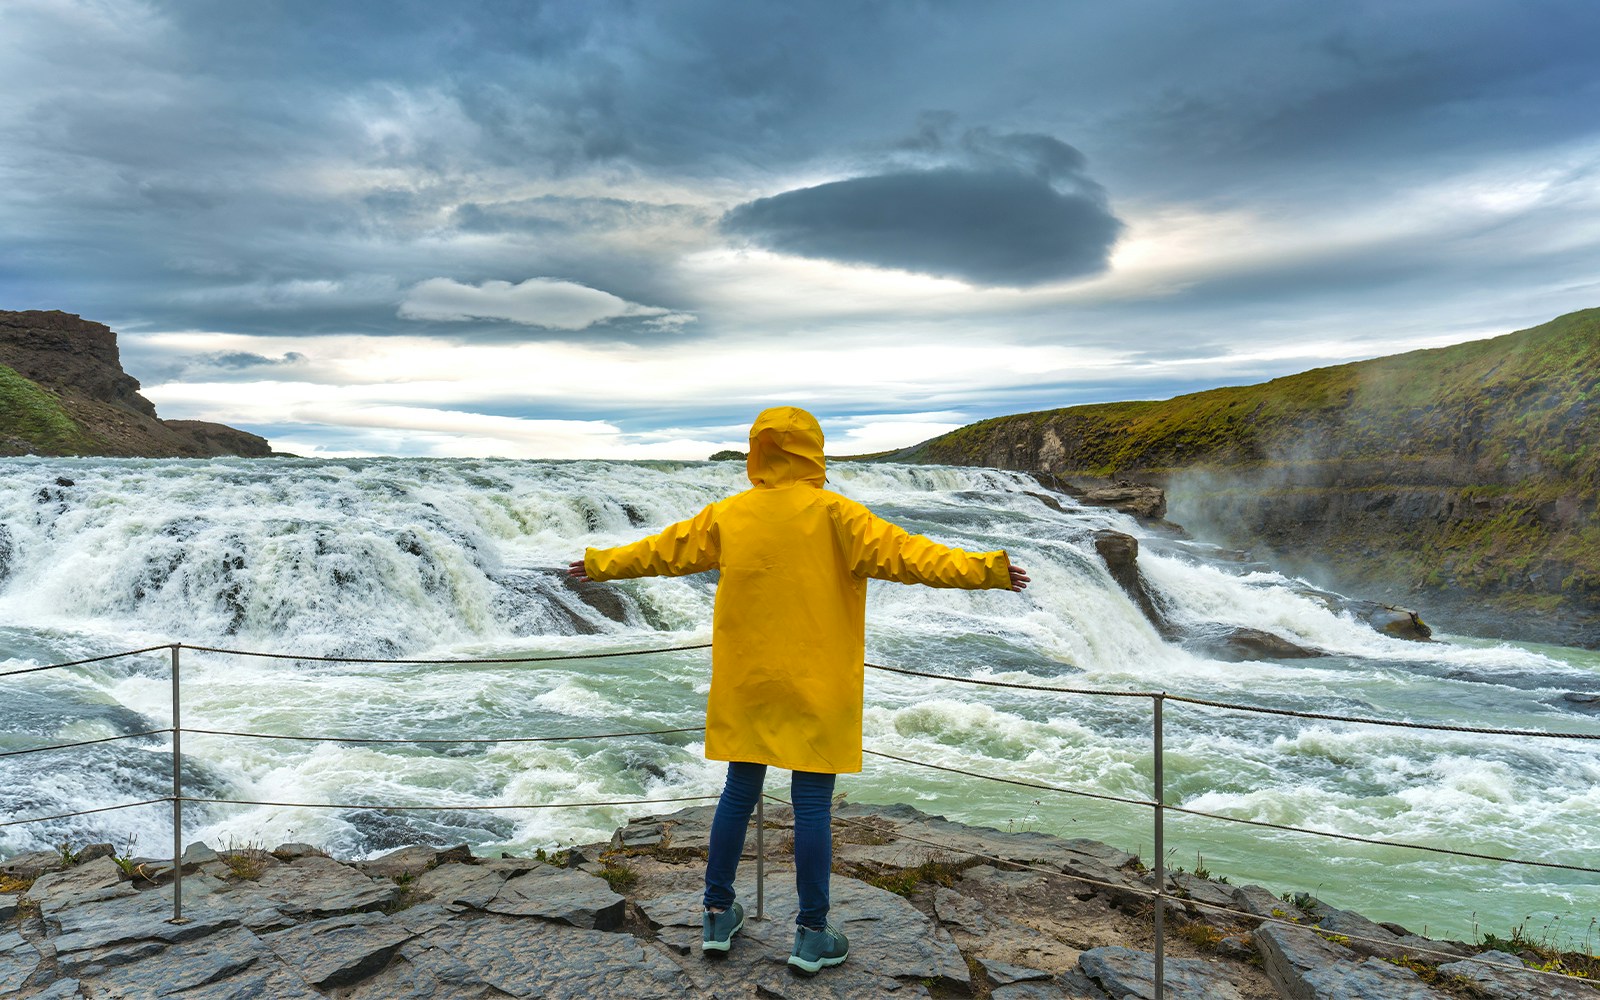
[(717, 929), (815, 949)]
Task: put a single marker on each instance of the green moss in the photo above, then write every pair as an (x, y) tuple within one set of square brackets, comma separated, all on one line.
[(34, 414)]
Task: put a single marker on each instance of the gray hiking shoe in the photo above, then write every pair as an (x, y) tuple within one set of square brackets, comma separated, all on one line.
[(815, 949), (717, 929)]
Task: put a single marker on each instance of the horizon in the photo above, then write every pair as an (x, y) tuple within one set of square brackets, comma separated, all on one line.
[(606, 232)]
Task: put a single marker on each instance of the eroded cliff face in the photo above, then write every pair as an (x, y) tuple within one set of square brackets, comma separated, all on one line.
[(63, 392), (1463, 480)]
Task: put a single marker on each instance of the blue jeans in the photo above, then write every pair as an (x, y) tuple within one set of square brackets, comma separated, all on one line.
[(812, 795)]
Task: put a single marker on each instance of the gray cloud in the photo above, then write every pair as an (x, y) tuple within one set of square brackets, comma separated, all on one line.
[(991, 227)]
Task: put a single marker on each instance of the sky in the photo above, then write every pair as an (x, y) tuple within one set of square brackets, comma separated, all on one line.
[(620, 229)]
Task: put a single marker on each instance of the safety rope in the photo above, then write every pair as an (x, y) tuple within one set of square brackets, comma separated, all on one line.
[(84, 743), (443, 808), (499, 739), (85, 812), (79, 663), (444, 662)]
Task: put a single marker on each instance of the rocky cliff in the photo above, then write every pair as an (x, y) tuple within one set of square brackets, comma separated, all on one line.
[(1463, 480), (63, 392)]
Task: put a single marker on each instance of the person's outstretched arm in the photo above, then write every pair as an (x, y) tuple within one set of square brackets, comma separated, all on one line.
[(686, 547), (885, 551)]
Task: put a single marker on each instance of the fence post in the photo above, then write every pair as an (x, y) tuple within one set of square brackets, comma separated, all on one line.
[(1161, 847), (761, 856), (177, 793)]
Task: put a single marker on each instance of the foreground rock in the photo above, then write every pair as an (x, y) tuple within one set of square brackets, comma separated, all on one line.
[(932, 908)]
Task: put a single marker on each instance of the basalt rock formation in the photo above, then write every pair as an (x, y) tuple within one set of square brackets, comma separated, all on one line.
[(63, 392), (1464, 479)]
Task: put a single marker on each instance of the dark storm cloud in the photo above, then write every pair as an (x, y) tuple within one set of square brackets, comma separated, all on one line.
[(1006, 209), (990, 227)]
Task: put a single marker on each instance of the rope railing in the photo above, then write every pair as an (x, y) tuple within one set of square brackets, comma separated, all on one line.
[(376, 807), (458, 740), (83, 743), (1156, 802), (91, 659), (86, 812), (434, 662)]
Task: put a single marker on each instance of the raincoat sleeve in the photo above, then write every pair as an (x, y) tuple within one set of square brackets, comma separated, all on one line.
[(690, 546), (878, 549)]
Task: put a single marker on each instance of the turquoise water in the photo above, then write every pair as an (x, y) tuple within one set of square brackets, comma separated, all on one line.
[(458, 559)]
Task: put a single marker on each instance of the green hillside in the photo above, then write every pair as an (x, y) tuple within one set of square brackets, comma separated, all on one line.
[(1526, 401), (1466, 472), (32, 414)]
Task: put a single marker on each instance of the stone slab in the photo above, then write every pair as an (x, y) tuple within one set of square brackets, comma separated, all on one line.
[(460, 886), (19, 959), (167, 970), (1302, 965), (339, 951), (564, 895), (90, 928), (87, 879), (315, 887), (534, 958), (1124, 972), (414, 860), (888, 935), (1517, 983)]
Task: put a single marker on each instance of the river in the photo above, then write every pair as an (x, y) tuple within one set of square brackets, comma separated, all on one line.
[(453, 559)]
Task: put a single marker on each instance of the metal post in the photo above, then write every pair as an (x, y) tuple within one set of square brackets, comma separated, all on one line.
[(177, 795), (761, 857), (1161, 857)]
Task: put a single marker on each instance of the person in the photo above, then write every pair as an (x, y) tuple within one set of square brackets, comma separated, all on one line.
[(788, 644)]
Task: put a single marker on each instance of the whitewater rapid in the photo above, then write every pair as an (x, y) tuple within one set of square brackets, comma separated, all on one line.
[(447, 560)]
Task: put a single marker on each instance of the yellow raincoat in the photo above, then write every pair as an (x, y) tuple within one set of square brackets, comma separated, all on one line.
[(788, 631)]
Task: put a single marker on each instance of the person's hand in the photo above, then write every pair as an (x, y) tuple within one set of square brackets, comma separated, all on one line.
[(1019, 578), (579, 573)]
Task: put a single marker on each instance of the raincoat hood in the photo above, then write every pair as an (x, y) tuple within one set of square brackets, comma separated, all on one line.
[(785, 449)]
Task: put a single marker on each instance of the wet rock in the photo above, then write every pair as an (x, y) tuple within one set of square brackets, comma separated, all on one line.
[(1001, 974), (81, 881), (460, 886), (557, 962), (1302, 965), (339, 951), (1402, 623), (563, 895), (318, 887), (1130, 498), (1124, 972), (1517, 982), (19, 959), (294, 851), (32, 865), (1236, 645), (94, 852), (1120, 552), (1261, 902), (414, 860)]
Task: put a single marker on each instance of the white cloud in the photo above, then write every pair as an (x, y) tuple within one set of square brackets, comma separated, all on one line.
[(546, 302)]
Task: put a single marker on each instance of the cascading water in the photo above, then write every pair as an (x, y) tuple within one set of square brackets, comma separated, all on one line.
[(462, 559)]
